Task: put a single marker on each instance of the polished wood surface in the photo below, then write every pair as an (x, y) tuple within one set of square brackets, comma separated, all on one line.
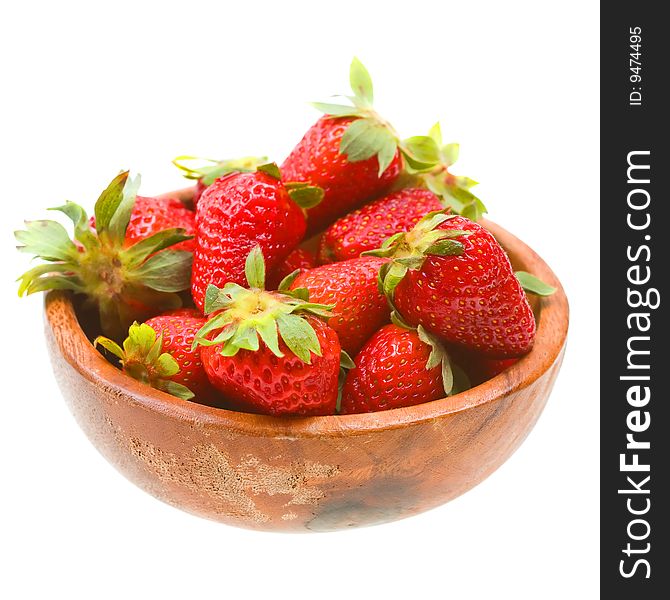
[(309, 473)]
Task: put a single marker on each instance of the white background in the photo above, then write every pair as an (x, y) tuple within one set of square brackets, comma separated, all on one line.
[(93, 87)]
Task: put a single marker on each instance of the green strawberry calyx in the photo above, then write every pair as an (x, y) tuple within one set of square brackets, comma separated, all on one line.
[(142, 358), (454, 190), (346, 364), (208, 170), (243, 317), (454, 379), (534, 285), (303, 194), (408, 251), (369, 134), (122, 282)]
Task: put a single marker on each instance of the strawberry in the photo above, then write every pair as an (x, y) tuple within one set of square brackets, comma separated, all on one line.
[(450, 275), (367, 227), (159, 352), (352, 153), (269, 352), (178, 328), (397, 367), (346, 184), (359, 309), (479, 368), (300, 259), (206, 170), (151, 215), (125, 279), (238, 211)]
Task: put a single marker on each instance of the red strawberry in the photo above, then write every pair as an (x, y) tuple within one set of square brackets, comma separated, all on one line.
[(300, 259), (206, 170), (266, 352), (479, 368), (351, 286), (346, 184), (160, 353), (396, 367), (125, 277), (151, 215), (353, 154), (237, 212), (450, 275), (368, 227), (179, 328)]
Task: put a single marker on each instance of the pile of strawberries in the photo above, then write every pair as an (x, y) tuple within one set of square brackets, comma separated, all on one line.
[(353, 278)]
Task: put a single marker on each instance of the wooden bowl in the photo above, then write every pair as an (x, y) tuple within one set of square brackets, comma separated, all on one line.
[(308, 473)]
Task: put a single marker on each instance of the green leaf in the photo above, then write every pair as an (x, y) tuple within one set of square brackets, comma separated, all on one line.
[(285, 284), (397, 319), (447, 375), (215, 299), (465, 182), (138, 252), (193, 172), (109, 201), (244, 338), (270, 169), (118, 222), (299, 336), (411, 262), (450, 154), (42, 273), (167, 271), (109, 345), (54, 282), (430, 221), (254, 268), (361, 82), (474, 210), (82, 229), (532, 284), (156, 350), (299, 294), (461, 380), (223, 336), (421, 151), (267, 329), (47, 240), (365, 138), (213, 169), (346, 361), (438, 357), (174, 389), (463, 202), (436, 133), (306, 196), (386, 155), (166, 365), (393, 277), (337, 110), (141, 338), (445, 247), (321, 310), (200, 337)]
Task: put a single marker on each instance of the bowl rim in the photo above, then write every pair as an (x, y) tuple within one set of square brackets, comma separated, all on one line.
[(78, 351)]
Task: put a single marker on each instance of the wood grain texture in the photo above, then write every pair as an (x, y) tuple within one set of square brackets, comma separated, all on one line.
[(310, 473)]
